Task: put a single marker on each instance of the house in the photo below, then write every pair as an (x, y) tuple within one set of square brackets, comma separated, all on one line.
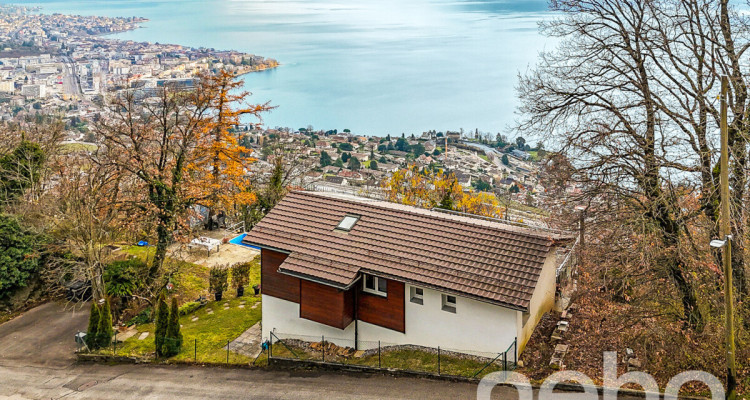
[(388, 167), (336, 180), (519, 154), (358, 271), (463, 178)]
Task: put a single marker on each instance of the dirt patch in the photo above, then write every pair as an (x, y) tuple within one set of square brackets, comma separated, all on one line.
[(228, 254)]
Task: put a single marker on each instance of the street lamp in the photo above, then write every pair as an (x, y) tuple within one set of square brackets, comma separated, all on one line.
[(716, 243), (726, 245)]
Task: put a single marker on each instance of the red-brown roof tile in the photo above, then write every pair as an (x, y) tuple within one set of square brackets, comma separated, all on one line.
[(483, 259)]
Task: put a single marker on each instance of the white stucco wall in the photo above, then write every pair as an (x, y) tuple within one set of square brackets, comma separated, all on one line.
[(476, 326), (282, 317), (542, 301)]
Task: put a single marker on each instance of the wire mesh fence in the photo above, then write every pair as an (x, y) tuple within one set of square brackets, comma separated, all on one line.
[(188, 349), (329, 350), (385, 355)]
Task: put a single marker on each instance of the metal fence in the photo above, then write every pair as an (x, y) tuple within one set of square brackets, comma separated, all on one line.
[(392, 356), (193, 349)]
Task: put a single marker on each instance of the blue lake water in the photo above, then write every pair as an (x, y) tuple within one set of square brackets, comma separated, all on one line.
[(373, 66)]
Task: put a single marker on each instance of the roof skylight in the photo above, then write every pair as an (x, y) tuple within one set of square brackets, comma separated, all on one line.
[(348, 222)]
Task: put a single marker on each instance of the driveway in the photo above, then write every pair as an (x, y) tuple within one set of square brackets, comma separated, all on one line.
[(44, 335), (37, 362)]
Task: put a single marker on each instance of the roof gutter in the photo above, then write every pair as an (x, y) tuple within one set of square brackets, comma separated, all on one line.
[(267, 247), (319, 280)]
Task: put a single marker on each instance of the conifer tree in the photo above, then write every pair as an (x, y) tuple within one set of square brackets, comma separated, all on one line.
[(173, 338), (93, 329), (104, 332), (161, 323)]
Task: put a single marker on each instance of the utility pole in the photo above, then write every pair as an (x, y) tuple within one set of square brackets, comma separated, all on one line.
[(725, 232)]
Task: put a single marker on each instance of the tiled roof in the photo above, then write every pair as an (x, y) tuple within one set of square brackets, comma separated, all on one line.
[(477, 258)]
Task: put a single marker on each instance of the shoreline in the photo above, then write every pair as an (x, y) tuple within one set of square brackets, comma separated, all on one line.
[(138, 21)]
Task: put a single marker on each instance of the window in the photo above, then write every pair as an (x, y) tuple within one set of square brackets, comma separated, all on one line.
[(375, 285), (347, 223), (416, 295), (449, 303)]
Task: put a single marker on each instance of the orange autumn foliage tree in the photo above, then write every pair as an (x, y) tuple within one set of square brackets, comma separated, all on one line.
[(221, 166), (430, 189)]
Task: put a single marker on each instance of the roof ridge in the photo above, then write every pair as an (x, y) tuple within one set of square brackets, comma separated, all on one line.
[(424, 212)]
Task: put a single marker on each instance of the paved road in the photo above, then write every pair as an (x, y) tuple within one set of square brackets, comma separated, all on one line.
[(36, 362), (174, 382)]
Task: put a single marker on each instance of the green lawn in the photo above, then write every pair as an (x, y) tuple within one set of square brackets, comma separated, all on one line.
[(75, 147), (205, 339), (210, 332), (190, 280), (402, 359)]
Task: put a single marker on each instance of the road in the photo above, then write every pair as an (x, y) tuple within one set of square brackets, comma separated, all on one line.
[(37, 362)]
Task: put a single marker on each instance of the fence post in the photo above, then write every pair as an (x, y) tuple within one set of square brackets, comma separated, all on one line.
[(270, 345), (227, 351), (378, 353), (438, 360), (195, 350), (114, 345), (505, 360), (323, 347)]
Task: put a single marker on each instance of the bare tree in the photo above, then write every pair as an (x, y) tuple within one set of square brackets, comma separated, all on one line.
[(154, 140), (89, 215), (596, 96)]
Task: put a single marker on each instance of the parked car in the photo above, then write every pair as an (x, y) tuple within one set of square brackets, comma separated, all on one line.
[(78, 290)]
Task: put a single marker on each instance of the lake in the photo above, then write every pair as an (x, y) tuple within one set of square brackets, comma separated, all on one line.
[(373, 66)]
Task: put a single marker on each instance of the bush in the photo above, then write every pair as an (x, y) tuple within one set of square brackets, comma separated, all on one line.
[(121, 277), (217, 282), (173, 338), (241, 274), (143, 317), (189, 308), (19, 255), (161, 324)]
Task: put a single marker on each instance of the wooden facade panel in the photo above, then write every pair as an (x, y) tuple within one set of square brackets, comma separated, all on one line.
[(326, 305), (274, 283), (388, 311)]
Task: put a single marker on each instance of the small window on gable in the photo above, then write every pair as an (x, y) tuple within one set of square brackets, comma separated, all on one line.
[(449, 303), (375, 285), (347, 223), (416, 295)]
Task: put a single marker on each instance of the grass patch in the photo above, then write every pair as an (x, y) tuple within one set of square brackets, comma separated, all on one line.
[(144, 252), (484, 157), (205, 339), (401, 359), (76, 147), (190, 280)]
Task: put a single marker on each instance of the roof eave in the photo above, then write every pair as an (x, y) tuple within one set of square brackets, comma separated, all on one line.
[(264, 247), (318, 279)]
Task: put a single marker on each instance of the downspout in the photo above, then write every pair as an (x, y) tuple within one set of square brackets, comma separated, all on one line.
[(356, 317)]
